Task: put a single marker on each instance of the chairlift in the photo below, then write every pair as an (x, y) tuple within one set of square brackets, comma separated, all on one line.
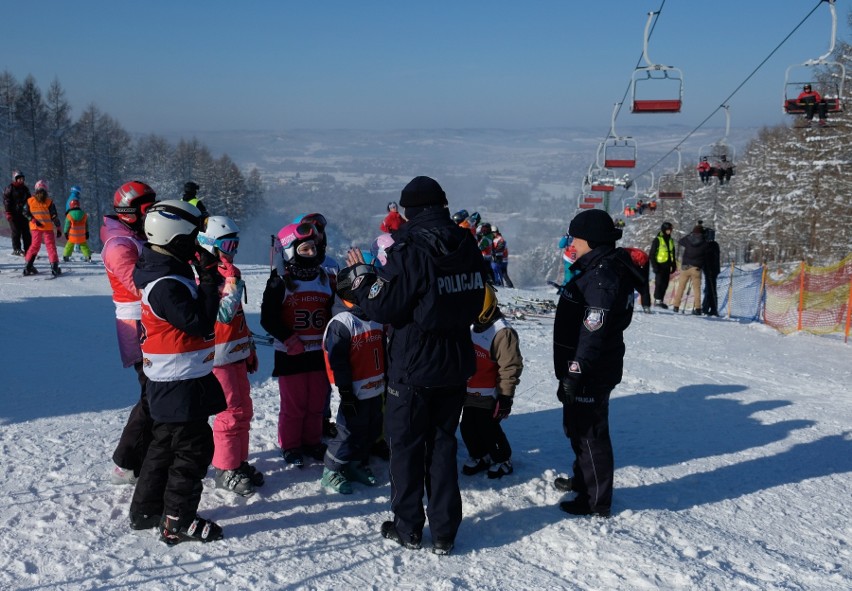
[(823, 75), (583, 204), (720, 149), (671, 184), (601, 179), (618, 151), (665, 83)]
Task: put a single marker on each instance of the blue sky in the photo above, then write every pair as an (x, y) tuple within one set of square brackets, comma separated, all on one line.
[(164, 66)]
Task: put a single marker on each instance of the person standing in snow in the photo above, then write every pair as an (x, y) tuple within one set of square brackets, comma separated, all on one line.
[(694, 258), (491, 391), (40, 211), (122, 236), (393, 220), (664, 262), (429, 292), (178, 319), (295, 309), (76, 230), (594, 309), (190, 195), (569, 255), (14, 199), (712, 268), (354, 350), (235, 359)]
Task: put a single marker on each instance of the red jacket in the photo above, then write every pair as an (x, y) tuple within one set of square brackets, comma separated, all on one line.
[(392, 222)]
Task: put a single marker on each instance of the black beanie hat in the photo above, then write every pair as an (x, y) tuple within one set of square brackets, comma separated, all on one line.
[(190, 188), (594, 225), (422, 191)]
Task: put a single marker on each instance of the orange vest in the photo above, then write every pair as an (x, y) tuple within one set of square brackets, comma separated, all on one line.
[(77, 229), (307, 310), (484, 381), (41, 212), (366, 356), (168, 353)]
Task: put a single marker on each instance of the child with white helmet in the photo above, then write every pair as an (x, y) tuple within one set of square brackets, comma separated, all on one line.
[(235, 358)]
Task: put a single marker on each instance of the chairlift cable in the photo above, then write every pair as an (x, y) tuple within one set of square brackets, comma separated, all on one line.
[(735, 91)]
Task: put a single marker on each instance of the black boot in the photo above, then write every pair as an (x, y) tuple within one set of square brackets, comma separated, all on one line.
[(54, 268), (30, 269)]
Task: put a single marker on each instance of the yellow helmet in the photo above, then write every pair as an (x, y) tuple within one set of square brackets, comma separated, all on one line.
[(489, 305)]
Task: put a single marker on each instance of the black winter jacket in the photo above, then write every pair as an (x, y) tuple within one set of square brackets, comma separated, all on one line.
[(14, 198), (595, 308), (429, 292), (694, 250), (181, 400)]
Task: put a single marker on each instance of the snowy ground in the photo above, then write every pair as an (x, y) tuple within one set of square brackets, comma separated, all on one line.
[(733, 451)]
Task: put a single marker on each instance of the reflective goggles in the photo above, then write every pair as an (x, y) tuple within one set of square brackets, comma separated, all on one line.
[(227, 245), (317, 219), (293, 232)]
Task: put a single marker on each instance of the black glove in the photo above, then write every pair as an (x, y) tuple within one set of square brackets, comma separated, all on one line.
[(206, 266), (503, 408), (37, 223), (568, 390), (58, 233), (66, 236), (348, 402), (275, 282), (87, 235)]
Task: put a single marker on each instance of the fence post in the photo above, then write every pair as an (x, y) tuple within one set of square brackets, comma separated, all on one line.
[(801, 294), (761, 296), (848, 312), (731, 291)]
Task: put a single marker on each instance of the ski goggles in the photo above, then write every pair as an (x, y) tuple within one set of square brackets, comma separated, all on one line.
[(293, 232), (317, 219), (227, 245)]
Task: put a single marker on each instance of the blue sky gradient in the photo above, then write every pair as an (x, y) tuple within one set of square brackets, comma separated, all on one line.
[(165, 66)]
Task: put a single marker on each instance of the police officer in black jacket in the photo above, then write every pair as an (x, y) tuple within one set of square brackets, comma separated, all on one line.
[(429, 292), (594, 309)]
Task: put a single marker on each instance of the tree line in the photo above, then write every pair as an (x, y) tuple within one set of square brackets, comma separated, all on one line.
[(39, 137)]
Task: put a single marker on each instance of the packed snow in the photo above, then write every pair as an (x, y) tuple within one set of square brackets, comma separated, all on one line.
[(733, 457)]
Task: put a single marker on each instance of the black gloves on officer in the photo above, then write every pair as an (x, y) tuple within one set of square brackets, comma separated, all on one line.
[(568, 390)]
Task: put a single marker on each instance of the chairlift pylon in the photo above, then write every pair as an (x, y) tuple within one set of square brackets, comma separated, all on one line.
[(658, 78)]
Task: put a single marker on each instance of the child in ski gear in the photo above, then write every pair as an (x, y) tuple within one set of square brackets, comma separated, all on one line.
[(122, 238), (235, 359), (178, 318), (491, 391), (704, 170), (594, 309), (14, 199), (430, 292), (40, 211), (569, 255), (354, 350), (500, 260), (295, 309), (76, 230), (664, 262), (393, 220), (694, 258)]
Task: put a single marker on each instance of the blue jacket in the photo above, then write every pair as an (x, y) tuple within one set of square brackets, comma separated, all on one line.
[(429, 292), (181, 400)]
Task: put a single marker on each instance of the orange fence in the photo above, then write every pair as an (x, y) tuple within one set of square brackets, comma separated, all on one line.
[(810, 299)]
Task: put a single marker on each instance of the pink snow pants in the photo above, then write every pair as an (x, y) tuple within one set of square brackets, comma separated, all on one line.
[(302, 404), (49, 239), (231, 426)]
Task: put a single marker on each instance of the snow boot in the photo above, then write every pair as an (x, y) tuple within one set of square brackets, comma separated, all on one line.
[(442, 547), (500, 469), (198, 530), (389, 532), (234, 481), (55, 270), (563, 484), (317, 451), (66, 259), (30, 269), (696, 312), (660, 304), (140, 521), (336, 481), (255, 475), (476, 465), (676, 310), (359, 473), (581, 507), (293, 456)]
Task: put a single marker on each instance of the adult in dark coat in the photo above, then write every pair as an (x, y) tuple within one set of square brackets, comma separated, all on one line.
[(694, 258), (712, 268), (595, 307), (14, 198), (663, 261), (430, 291), (178, 319)]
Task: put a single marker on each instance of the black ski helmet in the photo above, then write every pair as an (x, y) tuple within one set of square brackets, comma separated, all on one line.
[(666, 226)]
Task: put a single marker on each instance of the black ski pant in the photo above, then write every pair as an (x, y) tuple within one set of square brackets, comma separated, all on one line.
[(355, 434), (645, 289), (709, 303), (21, 237), (661, 283), (420, 428), (177, 461), (585, 421), (483, 435), (136, 436)]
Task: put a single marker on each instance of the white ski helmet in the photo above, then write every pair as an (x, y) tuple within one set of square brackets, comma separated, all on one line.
[(219, 232), (167, 220)]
